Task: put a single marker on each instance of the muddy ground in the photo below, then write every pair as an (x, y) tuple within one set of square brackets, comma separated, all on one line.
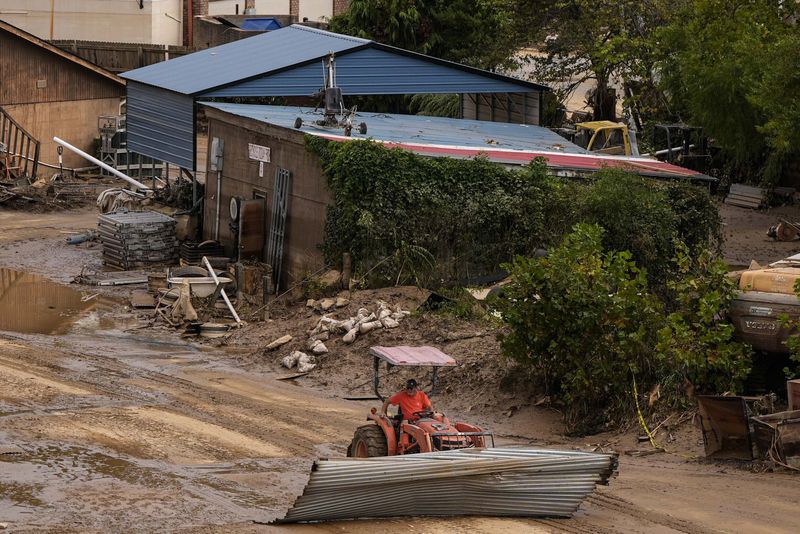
[(111, 422)]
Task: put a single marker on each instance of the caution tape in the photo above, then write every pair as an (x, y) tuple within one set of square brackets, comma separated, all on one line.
[(639, 414)]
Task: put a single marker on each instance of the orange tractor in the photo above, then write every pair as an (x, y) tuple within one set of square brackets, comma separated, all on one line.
[(424, 431)]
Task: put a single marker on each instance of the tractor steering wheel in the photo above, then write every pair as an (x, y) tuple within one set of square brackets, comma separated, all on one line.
[(423, 414)]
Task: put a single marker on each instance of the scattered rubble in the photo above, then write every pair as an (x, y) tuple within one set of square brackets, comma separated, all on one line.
[(283, 340), (363, 322), (784, 231), (301, 360)]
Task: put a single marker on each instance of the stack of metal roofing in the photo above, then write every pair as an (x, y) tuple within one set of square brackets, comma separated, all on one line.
[(500, 482), (135, 239)]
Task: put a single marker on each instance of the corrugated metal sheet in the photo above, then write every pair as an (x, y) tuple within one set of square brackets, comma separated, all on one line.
[(373, 71), (161, 124), (291, 55), (404, 355), (512, 144), (501, 482), (238, 61), (419, 129)]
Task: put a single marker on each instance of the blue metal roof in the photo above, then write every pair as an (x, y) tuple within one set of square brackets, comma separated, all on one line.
[(261, 23), (264, 65), (417, 129), (241, 60)]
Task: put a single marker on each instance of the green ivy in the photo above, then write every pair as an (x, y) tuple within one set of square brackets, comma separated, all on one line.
[(406, 218)]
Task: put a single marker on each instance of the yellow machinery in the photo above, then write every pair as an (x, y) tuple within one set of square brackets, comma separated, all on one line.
[(605, 137)]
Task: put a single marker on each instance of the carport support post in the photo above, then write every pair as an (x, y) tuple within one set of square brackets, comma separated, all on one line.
[(266, 282), (433, 380), (376, 363)]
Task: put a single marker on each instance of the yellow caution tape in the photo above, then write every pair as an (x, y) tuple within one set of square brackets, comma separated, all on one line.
[(639, 413)]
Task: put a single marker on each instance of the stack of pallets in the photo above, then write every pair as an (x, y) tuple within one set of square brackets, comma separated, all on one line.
[(192, 253), (745, 196), (136, 239)]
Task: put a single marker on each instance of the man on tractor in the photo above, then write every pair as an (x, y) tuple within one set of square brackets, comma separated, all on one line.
[(412, 402)]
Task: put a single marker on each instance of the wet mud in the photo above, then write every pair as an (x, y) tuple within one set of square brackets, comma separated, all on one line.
[(33, 304), (108, 424)]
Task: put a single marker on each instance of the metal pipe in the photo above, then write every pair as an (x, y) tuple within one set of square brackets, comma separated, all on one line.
[(222, 291), (219, 200), (99, 163)]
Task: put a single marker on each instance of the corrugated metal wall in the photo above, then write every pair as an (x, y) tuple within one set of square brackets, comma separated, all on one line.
[(517, 108), (371, 72), (161, 124), (30, 74)]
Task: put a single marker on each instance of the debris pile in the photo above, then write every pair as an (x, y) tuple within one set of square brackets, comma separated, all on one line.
[(303, 361), (784, 231), (745, 196), (133, 239), (117, 198), (364, 321), (747, 428)]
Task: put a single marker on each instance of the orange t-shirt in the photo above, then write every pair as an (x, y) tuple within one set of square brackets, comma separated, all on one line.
[(410, 403)]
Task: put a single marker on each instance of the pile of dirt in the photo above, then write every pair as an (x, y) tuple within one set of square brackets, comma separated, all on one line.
[(480, 381)]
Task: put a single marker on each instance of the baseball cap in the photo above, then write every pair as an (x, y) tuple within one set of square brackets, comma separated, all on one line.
[(411, 383)]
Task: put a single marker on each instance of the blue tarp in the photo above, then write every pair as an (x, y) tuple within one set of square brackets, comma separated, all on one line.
[(262, 24)]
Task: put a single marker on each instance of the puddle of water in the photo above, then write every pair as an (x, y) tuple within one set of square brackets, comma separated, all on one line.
[(33, 304)]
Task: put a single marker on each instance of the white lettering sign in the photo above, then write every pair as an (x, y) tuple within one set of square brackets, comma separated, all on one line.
[(258, 152)]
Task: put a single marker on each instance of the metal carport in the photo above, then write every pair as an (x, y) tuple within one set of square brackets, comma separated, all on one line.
[(285, 62)]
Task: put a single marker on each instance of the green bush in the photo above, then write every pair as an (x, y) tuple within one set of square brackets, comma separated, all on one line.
[(582, 320), (793, 341), (696, 346), (637, 217), (584, 323)]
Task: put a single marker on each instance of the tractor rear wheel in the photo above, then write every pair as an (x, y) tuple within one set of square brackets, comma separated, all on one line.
[(369, 441)]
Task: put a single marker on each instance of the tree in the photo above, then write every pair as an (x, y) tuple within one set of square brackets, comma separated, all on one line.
[(475, 33), (600, 40), (731, 67)]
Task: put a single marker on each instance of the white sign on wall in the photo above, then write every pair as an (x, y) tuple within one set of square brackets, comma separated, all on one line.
[(258, 152)]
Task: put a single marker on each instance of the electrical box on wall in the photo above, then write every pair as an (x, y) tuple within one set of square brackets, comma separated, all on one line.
[(217, 147)]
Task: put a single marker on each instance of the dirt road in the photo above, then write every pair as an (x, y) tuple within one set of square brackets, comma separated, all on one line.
[(109, 425)]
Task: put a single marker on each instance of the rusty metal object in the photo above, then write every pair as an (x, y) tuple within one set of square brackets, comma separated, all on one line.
[(777, 436), (725, 426)]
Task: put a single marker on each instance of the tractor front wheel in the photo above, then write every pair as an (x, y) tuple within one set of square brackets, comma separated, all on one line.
[(369, 441)]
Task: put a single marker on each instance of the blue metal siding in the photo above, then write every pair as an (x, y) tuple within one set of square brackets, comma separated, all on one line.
[(371, 71), (161, 124)]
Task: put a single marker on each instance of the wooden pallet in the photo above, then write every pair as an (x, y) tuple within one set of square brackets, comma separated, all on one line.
[(745, 196)]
